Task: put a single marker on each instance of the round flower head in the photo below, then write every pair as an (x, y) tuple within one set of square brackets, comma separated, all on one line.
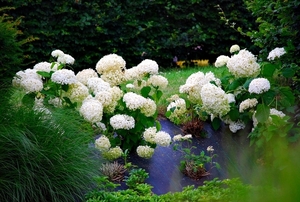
[(134, 101), (102, 143), (84, 75), (162, 138), (113, 153), (92, 110), (259, 86), (65, 59), (96, 85), (43, 66), (243, 64), (179, 137), (27, 74), (234, 48), (110, 62), (149, 134), (64, 76), (158, 81), (148, 108), (133, 73), (105, 97), (122, 121), (114, 77), (57, 53), (145, 151), (31, 85), (215, 100), (178, 109), (221, 61), (248, 103), (234, 126), (276, 53), (276, 112), (77, 92), (148, 66)]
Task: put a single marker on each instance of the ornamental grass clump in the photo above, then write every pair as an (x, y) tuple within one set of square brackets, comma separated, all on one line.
[(45, 155)]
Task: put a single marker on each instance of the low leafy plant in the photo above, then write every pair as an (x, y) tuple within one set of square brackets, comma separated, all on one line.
[(136, 177), (113, 170)]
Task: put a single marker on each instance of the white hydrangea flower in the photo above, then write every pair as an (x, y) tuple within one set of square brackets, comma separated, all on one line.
[(77, 92), (57, 53), (105, 97), (102, 143), (92, 110), (210, 149), (148, 66), (221, 61), (149, 134), (133, 101), (130, 86), (179, 137), (231, 98), (43, 66), (84, 75), (162, 138), (101, 125), (276, 112), (65, 59), (110, 62), (122, 121), (178, 107), (114, 78), (248, 103), (145, 151), (259, 85), (133, 73), (148, 108), (276, 53), (113, 153), (243, 64), (31, 85), (158, 81), (27, 74), (56, 102), (64, 76), (234, 126), (214, 100), (96, 85), (234, 48)]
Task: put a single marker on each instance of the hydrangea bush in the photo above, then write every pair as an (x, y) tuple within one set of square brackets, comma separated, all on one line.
[(119, 102), (249, 93)]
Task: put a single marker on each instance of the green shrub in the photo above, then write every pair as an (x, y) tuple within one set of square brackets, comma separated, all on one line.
[(44, 157)]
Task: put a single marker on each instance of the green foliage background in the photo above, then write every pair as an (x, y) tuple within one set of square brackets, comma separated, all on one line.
[(88, 30)]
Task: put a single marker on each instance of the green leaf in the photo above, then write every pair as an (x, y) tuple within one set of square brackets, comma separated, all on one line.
[(268, 97), (234, 114), (44, 74), (65, 87), (288, 72), (216, 123), (268, 70), (145, 91), (262, 113), (286, 97)]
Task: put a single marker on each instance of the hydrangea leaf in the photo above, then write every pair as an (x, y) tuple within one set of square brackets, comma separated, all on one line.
[(262, 113)]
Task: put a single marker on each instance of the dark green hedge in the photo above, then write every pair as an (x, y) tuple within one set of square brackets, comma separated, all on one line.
[(87, 30)]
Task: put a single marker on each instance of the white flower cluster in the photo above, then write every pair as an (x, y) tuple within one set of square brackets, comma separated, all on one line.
[(243, 64), (112, 153), (273, 111), (276, 53), (43, 66), (145, 151), (194, 84), (29, 80), (221, 61), (248, 103), (162, 138), (84, 75), (148, 108), (148, 66), (63, 77), (210, 149), (96, 84), (234, 126), (112, 69), (214, 100), (62, 57), (259, 86), (149, 134), (91, 109), (158, 81), (234, 48), (178, 108), (102, 143), (77, 92), (180, 137), (122, 121)]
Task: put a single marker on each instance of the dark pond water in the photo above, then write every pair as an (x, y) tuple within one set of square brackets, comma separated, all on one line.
[(234, 157)]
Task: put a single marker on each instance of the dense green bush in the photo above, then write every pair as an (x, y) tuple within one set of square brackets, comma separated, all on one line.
[(88, 30), (44, 156), (11, 54)]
